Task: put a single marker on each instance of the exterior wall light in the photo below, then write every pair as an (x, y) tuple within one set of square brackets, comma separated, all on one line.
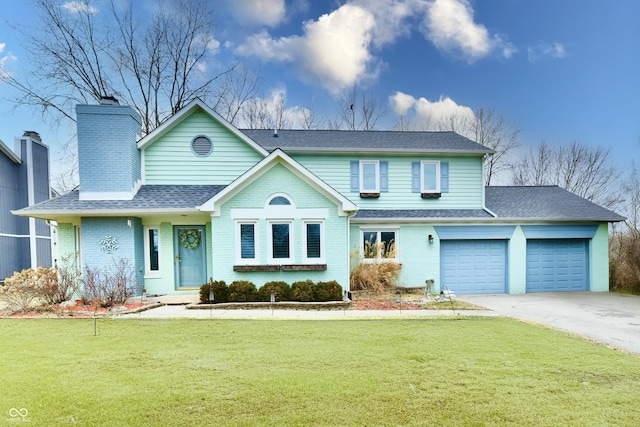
[(431, 239)]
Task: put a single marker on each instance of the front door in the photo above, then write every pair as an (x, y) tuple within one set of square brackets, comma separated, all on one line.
[(190, 256)]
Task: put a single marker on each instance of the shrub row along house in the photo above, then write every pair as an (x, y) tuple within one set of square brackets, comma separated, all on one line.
[(198, 198)]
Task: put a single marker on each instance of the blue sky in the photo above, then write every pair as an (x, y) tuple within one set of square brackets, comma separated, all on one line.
[(563, 70)]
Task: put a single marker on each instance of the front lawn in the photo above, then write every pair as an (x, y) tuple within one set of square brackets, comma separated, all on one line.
[(470, 371)]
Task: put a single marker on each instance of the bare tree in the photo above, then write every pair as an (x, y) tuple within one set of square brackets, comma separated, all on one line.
[(156, 66), (358, 110), (490, 129), (585, 171)]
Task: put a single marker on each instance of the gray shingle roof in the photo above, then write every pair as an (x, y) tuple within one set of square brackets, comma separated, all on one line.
[(149, 197), (343, 141), (420, 213), (546, 203)]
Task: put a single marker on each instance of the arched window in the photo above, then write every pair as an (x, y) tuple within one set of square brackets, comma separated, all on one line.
[(279, 201)]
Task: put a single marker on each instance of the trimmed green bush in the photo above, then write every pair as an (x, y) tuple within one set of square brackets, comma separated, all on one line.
[(282, 291), (220, 292), (242, 291), (327, 291), (302, 291)]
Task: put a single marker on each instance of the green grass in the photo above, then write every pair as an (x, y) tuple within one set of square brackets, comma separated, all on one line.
[(469, 372)]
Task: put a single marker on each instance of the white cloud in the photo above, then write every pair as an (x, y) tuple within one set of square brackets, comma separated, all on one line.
[(450, 26), (2, 46), (259, 12), (4, 62), (429, 115), (339, 49), (79, 6), (334, 50), (544, 50)]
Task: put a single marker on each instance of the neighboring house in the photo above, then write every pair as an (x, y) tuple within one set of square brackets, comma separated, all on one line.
[(24, 181), (198, 199)]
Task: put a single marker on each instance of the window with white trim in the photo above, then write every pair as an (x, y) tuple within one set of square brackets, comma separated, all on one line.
[(380, 244), (369, 176), (246, 245), (313, 235), (430, 176), (280, 242), (152, 251)]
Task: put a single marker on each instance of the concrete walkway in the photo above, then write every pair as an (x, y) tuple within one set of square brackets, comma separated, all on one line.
[(609, 318), (180, 311)]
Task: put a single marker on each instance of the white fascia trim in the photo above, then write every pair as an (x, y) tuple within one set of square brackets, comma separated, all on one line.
[(185, 112), (111, 195), (9, 153), (278, 156), (273, 213)]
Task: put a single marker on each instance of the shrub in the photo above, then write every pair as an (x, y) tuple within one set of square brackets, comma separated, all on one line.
[(67, 284), (302, 291), (110, 285), (376, 277), (27, 288), (281, 290), (327, 291), (242, 290), (220, 292)]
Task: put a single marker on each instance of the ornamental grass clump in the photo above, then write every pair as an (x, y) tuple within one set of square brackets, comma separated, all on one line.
[(374, 269), (26, 289)]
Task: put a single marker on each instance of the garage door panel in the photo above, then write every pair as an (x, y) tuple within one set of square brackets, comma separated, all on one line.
[(557, 265), (473, 266)]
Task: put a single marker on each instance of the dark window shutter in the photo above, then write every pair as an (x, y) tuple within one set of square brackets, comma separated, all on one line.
[(415, 177), (444, 177), (355, 175), (384, 176)]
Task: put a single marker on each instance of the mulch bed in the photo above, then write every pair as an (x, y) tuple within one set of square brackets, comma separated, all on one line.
[(78, 310)]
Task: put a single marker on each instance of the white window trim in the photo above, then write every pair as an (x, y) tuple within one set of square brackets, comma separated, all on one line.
[(256, 238), (273, 260), (376, 163), (422, 167), (380, 230), (148, 273), (305, 258)]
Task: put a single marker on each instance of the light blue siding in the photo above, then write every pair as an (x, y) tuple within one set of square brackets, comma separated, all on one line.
[(280, 180), (464, 181), (170, 160)]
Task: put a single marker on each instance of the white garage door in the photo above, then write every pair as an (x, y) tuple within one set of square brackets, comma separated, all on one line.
[(473, 266), (557, 265)]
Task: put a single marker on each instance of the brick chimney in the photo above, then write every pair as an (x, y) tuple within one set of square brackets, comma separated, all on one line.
[(109, 160)]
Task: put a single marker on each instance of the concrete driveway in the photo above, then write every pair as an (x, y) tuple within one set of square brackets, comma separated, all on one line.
[(609, 318)]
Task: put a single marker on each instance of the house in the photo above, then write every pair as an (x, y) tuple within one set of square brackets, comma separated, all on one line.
[(198, 198), (24, 181)]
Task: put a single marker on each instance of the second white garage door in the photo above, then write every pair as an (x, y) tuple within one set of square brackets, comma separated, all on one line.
[(473, 266)]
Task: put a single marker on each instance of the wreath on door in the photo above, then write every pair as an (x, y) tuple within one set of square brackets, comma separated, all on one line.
[(190, 239)]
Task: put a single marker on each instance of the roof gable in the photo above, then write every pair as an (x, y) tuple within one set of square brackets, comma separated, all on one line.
[(275, 158), (185, 112)]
